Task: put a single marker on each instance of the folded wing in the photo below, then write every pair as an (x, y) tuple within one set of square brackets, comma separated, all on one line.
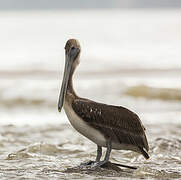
[(117, 122)]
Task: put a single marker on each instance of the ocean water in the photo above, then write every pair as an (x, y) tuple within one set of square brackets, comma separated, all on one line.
[(129, 58)]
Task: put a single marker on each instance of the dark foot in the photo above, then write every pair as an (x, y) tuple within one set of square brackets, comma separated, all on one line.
[(98, 164), (125, 166), (104, 164), (88, 163)]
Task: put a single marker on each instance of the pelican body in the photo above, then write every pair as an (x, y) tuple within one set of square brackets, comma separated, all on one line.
[(112, 127)]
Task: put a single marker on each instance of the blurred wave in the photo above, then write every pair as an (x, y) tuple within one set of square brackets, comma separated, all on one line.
[(35, 95), (22, 101), (154, 93)]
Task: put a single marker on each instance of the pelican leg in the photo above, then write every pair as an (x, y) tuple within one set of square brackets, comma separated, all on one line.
[(99, 153), (98, 157), (106, 159)]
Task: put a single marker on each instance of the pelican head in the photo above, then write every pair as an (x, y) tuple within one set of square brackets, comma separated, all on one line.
[(72, 53)]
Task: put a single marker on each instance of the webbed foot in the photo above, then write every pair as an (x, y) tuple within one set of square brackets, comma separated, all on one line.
[(98, 164), (88, 163)]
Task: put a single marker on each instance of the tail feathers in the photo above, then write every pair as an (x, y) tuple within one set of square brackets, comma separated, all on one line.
[(144, 153)]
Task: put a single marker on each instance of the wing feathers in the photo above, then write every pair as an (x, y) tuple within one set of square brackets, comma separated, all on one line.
[(119, 123)]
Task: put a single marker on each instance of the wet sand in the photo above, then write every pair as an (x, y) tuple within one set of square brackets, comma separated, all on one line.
[(49, 151)]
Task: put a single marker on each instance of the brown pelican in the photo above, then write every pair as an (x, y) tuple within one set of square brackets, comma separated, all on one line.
[(113, 127)]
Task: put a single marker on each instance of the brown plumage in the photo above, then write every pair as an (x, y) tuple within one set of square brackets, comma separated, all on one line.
[(106, 125), (115, 122)]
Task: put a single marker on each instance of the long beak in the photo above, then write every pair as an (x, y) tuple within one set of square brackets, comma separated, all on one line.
[(70, 57)]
